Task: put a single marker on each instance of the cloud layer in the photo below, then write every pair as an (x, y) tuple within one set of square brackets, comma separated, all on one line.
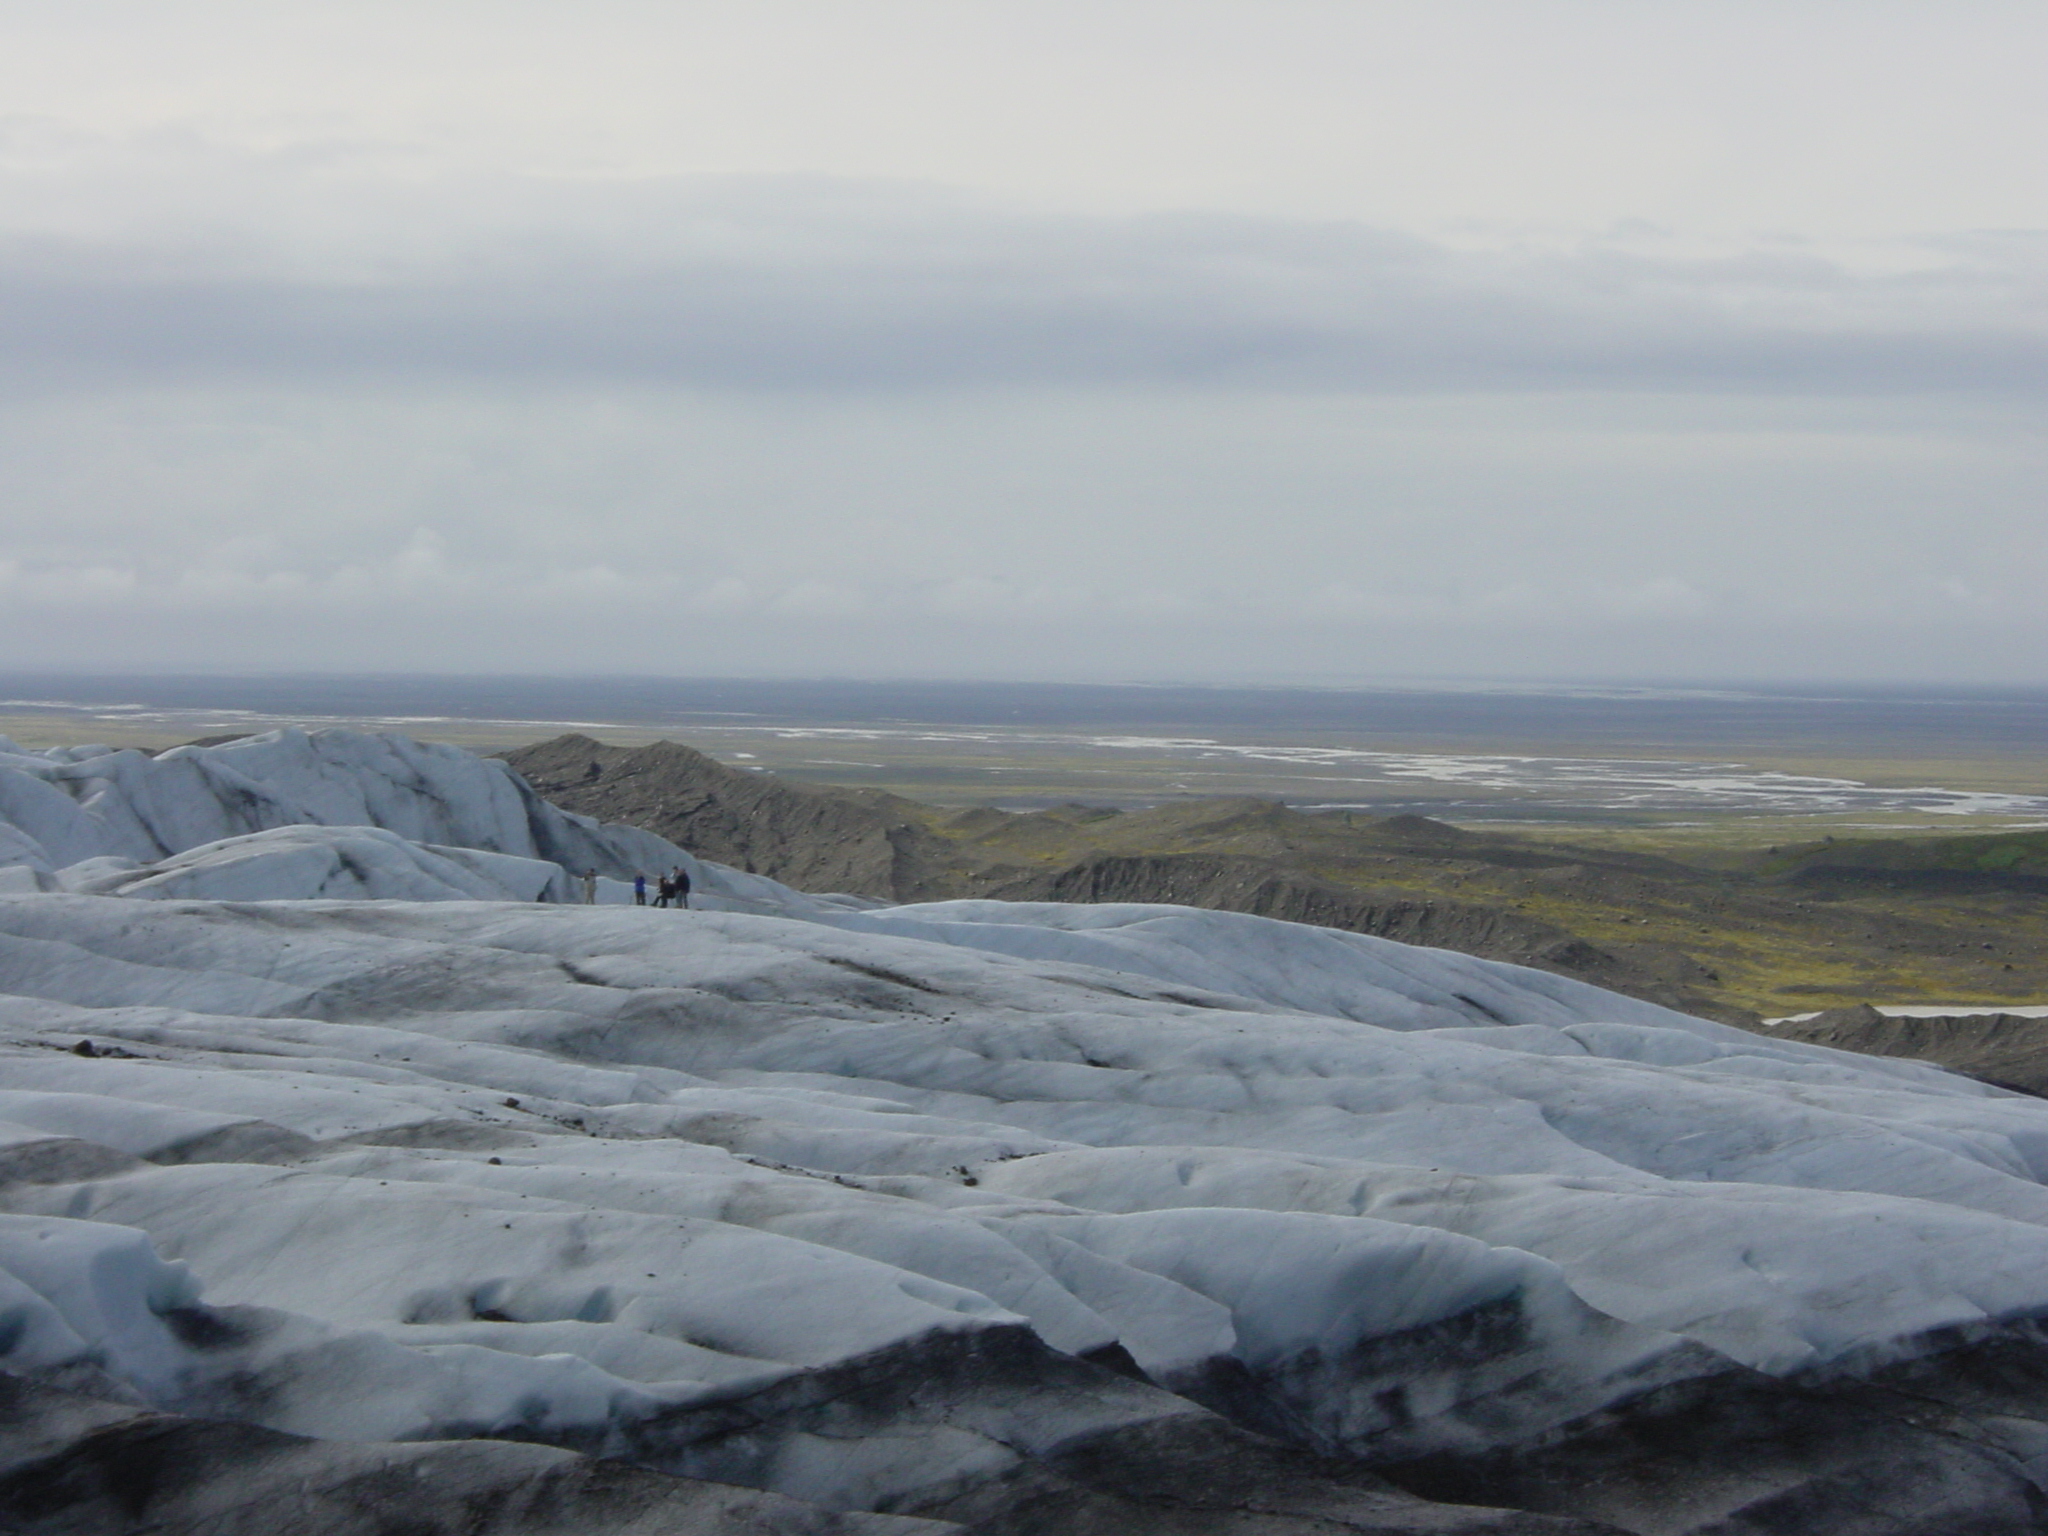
[(797, 284)]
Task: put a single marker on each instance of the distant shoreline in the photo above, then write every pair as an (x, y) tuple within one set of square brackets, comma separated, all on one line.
[(1861, 759)]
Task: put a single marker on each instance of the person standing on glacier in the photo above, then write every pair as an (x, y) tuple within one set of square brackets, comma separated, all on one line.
[(680, 880), (639, 890), (590, 887)]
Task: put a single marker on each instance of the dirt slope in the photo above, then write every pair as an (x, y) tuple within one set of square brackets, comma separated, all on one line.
[(2003, 861), (1824, 925), (1245, 855), (862, 842), (2008, 1049), (1248, 884)]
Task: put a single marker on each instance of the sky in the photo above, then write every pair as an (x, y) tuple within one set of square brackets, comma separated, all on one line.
[(1293, 341)]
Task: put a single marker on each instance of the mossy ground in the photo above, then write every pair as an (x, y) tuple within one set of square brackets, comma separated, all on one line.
[(1772, 942)]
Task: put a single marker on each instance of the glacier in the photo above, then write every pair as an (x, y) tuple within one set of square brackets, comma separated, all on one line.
[(334, 1123)]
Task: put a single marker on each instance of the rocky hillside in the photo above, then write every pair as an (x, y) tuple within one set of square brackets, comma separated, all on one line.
[(2006, 861), (1237, 883), (1235, 855), (861, 842), (1782, 931), (2008, 1049)]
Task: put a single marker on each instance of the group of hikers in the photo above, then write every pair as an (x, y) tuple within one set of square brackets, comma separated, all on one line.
[(670, 890)]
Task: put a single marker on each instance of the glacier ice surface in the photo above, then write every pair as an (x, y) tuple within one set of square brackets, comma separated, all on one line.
[(324, 1105)]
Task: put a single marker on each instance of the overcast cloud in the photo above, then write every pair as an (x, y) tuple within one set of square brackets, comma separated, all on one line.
[(1120, 340), (793, 284)]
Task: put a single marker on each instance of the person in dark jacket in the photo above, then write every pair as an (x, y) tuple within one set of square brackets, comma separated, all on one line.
[(681, 882)]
